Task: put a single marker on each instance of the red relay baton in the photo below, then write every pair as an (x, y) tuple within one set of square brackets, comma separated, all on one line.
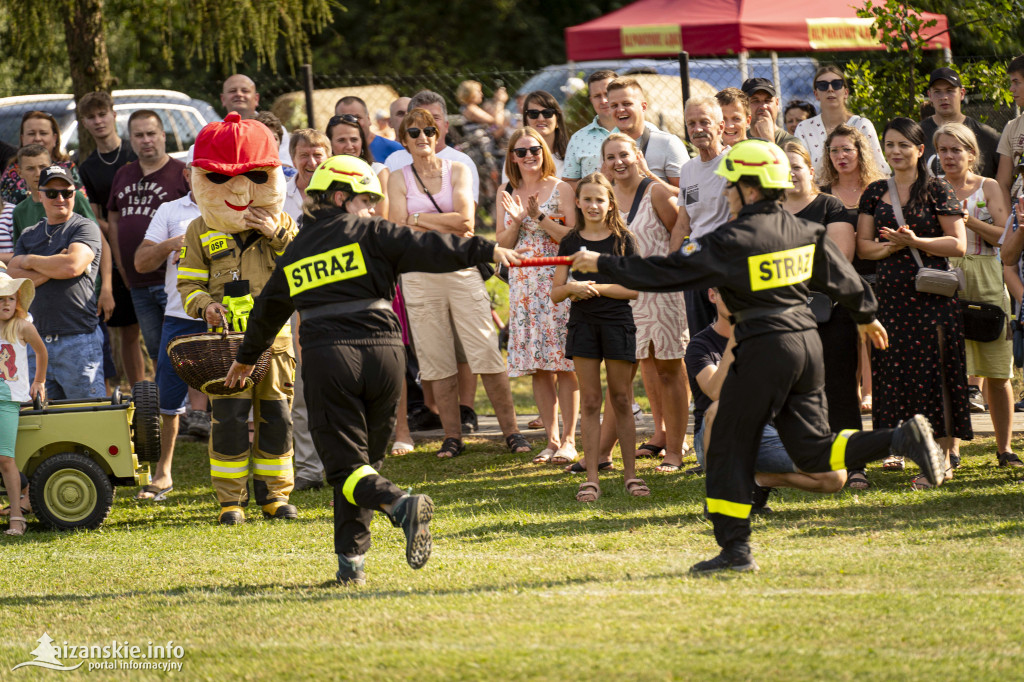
[(539, 262)]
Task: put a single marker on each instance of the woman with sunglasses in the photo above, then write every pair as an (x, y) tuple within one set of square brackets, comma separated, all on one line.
[(535, 211), (436, 195), (37, 127), (924, 369), (542, 113), (348, 137), (831, 92), (985, 214), (848, 167)]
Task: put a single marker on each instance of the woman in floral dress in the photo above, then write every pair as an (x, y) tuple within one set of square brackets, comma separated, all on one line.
[(535, 211), (926, 357)]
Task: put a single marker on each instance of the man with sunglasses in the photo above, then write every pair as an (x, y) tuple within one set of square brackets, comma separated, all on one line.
[(138, 189), (380, 147), (61, 255)]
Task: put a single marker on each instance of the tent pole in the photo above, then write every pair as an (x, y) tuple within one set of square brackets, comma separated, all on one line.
[(778, 83), (684, 80), (742, 59)]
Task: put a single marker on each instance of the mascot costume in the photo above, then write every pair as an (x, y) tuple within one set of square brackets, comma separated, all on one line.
[(228, 256)]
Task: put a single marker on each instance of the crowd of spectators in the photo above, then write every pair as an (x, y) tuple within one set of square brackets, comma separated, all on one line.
[(100, 239)]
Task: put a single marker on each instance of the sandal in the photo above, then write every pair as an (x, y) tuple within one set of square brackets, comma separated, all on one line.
[(858, 480), (1008, 459), (637, 488), (588, 492), (865, 405), (451, 447), (893, 463), (535, 424), (581, 468), (920, 482), (517, 443), (667, 467), (565, 455), (545, 455), (401, 447), (652, 451), (16, 531)]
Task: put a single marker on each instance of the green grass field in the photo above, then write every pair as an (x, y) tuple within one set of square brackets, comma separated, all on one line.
[(525, 583)]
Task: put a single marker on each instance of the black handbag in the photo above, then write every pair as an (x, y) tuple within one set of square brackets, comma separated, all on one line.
[(983, 322), (821, 305)]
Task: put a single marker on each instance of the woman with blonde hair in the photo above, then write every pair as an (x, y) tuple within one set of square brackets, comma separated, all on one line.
[(985, 214), (831, 91), (535, 211)]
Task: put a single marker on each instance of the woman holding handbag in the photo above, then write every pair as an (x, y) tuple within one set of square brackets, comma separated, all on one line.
[(985, 214), (917, 218)]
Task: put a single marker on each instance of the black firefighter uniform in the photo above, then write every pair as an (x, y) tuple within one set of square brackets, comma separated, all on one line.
[(762, 263), (209, 260)]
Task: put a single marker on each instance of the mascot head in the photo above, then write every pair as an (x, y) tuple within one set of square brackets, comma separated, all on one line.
[(236, 165)]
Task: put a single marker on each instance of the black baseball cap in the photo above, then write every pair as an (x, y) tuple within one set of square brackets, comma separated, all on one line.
[(945, 74), (55, 172), (752, 85)]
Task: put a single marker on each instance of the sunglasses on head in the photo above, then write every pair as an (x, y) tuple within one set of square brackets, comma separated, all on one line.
[(257, 176), (823, 86), (534, 114), (429, 131), (343, 118), (54, 193), (521, 151)]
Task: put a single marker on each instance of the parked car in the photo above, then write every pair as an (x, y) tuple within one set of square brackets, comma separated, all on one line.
[(75, 451), (183, 117)]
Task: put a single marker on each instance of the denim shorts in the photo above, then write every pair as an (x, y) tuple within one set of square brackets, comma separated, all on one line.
[(772, 457), (150, 303), (75, 366), (173, 391)]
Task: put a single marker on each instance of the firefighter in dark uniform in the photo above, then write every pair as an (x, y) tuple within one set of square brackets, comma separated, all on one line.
[(340, 274), (762, 263)]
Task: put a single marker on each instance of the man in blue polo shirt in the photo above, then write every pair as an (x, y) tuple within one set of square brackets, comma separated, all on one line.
[(380, 147)]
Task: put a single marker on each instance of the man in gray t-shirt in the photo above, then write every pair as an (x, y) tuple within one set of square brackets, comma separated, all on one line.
[(61, 255)]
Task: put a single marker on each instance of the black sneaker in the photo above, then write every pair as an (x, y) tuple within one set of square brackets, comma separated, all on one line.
[(307, 484), (198, 424), (412, 513), (913, 439), (350, 570), (470, 423), (739, 560), (1019, 405), (424, 420), (976, 399), (759, 501)]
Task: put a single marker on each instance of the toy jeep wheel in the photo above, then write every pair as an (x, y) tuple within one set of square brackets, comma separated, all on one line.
[(71, 491), (146, 422)]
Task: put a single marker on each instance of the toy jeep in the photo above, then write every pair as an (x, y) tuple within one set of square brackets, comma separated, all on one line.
[(75, 451)]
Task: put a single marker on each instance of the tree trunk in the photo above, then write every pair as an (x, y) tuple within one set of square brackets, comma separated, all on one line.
[(87, 57)]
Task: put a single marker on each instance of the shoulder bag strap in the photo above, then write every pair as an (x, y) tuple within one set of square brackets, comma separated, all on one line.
[(897, 209), (424, 188), (644, 139), (637, 198)]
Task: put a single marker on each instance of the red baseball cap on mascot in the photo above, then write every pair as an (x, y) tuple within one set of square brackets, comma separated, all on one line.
[(235, 146)]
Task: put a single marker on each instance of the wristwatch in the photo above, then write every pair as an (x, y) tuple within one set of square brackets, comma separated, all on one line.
[(415, 219), (540, 218)]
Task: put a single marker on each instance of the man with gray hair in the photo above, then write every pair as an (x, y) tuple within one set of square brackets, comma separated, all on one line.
[(434, 103), (702, 203)]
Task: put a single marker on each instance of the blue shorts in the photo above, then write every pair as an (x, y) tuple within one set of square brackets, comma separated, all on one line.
[(150, 303), (772, 457), (173, 391), (75, 367), (8, 426)]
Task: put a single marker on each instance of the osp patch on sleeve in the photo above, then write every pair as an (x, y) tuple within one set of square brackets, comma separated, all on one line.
[(781, 268), (689, 248), (217, 245), (331, 266)]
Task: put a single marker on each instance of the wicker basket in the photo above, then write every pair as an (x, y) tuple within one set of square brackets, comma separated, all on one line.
[(203, 360)]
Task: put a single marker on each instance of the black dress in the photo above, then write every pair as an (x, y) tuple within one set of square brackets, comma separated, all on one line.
[(909, 377)]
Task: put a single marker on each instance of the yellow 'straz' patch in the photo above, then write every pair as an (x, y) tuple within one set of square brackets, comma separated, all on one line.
[(218, 244), (331, 266), (781, 269)]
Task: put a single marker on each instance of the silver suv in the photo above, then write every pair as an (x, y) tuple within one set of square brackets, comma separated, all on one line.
[(183, 116)]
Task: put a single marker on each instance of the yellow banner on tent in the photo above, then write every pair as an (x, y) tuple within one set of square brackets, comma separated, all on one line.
[(651, 39), (834, 33)]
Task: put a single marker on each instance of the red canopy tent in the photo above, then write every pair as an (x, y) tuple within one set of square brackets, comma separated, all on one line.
[(722, 27)]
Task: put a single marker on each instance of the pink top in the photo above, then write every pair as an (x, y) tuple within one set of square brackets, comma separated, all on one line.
[(418, 202)]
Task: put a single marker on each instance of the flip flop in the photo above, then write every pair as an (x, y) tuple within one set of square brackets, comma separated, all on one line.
[(580, 468), (544, 456), (649, 450), (159, 494), (668, 467), (564, 455)]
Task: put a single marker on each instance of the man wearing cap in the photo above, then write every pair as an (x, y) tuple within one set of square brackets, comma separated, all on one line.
[(61, 255), (764, 107), (137, 191), (946, 93), (231, 250)]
